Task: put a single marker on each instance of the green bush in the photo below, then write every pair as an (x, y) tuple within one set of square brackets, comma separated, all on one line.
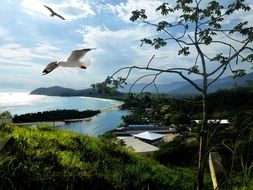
[(177, 153)]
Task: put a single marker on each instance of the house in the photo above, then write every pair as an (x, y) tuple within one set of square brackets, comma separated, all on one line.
[(141, 126), (149, 136), (214, 121), (138, 146)]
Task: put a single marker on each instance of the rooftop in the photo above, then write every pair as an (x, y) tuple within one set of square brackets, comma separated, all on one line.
[(149, 135), (214, 121), (138, 145)]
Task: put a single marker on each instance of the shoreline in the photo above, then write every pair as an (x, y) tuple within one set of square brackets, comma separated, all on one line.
[(114, 108), (62, 122)]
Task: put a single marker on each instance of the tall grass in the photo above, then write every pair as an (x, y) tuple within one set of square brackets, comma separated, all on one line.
[(47, 158)]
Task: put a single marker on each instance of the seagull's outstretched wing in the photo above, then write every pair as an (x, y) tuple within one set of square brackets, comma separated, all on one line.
[(50, 67), (78, 54), (59, 16), (51, 10)]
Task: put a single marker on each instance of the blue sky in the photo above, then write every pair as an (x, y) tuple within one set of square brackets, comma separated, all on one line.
[(30, 39)]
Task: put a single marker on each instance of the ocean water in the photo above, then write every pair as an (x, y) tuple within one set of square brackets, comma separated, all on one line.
[(21, 103)]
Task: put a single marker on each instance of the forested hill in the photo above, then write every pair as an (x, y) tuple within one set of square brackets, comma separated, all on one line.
[(60, 91)]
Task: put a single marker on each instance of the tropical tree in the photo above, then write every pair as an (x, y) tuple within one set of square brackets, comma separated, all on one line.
[(202, 26), (5, 117)]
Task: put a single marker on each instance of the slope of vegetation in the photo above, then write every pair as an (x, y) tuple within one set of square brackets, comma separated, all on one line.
[(47, 158)]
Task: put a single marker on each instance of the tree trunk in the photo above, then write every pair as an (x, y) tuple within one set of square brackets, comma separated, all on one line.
[(202, 141)]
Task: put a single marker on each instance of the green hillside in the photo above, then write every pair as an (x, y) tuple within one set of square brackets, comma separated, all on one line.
[(47, 158)]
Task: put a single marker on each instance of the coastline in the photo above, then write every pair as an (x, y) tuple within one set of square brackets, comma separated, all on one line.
[(63, 121), (114, 108), (49, 123), (18, 103)]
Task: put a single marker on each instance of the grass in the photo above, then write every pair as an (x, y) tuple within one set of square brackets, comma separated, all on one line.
[(47, 158)]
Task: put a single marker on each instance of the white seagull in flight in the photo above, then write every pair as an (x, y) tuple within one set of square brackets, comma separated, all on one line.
[(54, 13), (72, 61)]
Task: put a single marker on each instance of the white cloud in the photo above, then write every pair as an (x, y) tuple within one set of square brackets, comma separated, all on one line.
[(32, 7), (116, 49), (74, 9), (69, 9), (124, 10), (14, 52), (48, 51), (5, 34)]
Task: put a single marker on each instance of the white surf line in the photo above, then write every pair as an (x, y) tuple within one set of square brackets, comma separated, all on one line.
[(114, 108)]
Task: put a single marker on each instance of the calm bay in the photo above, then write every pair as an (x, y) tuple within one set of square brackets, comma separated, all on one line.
[(21, 103)]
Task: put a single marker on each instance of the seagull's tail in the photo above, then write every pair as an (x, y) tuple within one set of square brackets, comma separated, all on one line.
[(86, 63)]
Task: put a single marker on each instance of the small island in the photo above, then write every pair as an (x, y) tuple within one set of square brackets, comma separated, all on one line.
[(55, 115)]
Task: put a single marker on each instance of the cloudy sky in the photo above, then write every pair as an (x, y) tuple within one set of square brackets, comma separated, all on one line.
[(30, 39)]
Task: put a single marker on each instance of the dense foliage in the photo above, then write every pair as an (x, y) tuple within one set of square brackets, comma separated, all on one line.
[(55, 115), (221, 104), (198, 26), (46, 158), (178, 153), (234, 141)]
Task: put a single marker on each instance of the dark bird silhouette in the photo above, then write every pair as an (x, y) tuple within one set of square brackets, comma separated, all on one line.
[(72, 61), (54, 13)]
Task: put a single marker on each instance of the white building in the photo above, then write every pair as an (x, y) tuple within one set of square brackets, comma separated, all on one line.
[(150, 136), (139, 146), (214, 121)]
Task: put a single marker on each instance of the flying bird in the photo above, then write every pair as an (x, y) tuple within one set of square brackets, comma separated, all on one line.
[(72, 61), (54, 13)]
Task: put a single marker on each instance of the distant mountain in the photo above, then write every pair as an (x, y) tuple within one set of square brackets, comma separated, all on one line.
[(175, 88), (162, 88), (53, 91), (222, 83), (60, 91), (183, 87)]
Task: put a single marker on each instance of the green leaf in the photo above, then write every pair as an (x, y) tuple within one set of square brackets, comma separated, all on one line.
[(138, 15), (146, 41), (165, 9), (249, 58), (159, 42), (194, 69), (162, 25), (237, 5), (238, 73), (184, 51)]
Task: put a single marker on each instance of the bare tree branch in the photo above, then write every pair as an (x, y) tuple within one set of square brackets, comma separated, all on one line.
[(236, 54), (232, 38), (151, 81), (148, 75), (155, 88), (171, 70), (223, 70), (150, 60)]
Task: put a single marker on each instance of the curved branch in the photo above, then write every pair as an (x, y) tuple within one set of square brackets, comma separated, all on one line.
[(190, 81), (156, 75), (171, 36), (196, 60), (150, 60), (148, 75), (172, 70), (236, 54), (232, 38), (224, 69), (155, 88)]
